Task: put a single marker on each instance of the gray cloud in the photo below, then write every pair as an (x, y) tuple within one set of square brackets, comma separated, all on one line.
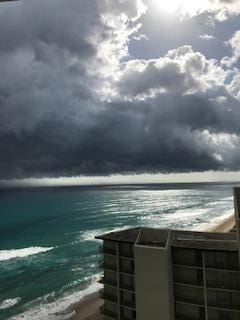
[(71, 104)]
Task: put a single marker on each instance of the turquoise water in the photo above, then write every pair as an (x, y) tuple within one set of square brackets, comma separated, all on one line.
[(48, 253)]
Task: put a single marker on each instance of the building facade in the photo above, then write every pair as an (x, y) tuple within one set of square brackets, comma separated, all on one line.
[(151, 274)]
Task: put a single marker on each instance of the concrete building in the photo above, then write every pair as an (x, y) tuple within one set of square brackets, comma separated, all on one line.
[(153, 274)]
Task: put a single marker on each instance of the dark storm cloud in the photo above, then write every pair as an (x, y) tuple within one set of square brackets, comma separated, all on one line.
[(68, 106), (162, 135), (64, 24), (121, 141)]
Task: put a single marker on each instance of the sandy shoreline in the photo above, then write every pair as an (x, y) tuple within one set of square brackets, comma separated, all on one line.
[(220, 224), (225, 226), (88, 308)]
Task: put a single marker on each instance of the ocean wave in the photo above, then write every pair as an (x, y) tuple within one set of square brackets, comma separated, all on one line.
[(186, 214), (9, 303), (22, 253), (220, 203), (214, 222), (91, 234), (58, 310)]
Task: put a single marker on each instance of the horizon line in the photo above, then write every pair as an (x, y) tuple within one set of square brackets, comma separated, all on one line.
[(124, 180)]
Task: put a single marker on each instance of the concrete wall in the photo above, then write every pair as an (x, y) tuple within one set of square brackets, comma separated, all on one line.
[(153, 283)]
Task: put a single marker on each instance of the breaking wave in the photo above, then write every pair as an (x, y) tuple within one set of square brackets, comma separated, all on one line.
[(58, 309), (9, 303), (22, 253)]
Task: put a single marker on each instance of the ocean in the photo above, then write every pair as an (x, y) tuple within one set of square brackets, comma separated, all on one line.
[(49, 257)]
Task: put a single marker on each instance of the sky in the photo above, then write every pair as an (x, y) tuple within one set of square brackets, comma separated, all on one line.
[(119, 88)]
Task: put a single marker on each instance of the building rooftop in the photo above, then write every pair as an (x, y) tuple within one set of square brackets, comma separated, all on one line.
[(185, 239), (129, 235), (205, 240)]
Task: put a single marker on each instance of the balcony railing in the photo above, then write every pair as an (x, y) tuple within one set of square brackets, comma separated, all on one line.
[(127, 270), (111, 283), (104, 265), (126, 255), (106, 250), (130, 288), (123, 254), (128, 304), (107, 297), (108, 282), (109, 314)]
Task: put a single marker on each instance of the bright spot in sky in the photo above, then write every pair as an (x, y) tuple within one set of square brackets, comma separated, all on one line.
[(168, 5), (184, 7)]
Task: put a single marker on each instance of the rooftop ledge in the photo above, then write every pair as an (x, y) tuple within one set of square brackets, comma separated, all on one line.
[(162, 238)]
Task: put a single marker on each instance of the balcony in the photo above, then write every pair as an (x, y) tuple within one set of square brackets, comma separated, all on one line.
[(128, 304), (109, 314), (188, 294), (127, 268), (107, 282), (104, 265), (125, 287), (189, 284), (107, 297), (126, 253), (126, 256), (123, 254), (106, 250), (110, 283), (222, 304)]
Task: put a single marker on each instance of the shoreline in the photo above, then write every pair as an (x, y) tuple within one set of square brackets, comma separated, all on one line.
[(226, 225), (88, 307)]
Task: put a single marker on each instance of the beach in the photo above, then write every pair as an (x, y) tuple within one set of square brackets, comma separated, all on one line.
[(88, 308), (62, 253), (226, 225)]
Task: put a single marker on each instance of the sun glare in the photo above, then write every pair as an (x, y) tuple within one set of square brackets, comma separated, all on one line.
[(168, 6), (183, 7)]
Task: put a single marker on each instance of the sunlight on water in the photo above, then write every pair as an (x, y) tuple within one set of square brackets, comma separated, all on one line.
[(47, 237)]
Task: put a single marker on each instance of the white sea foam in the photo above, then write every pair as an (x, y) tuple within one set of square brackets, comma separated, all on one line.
[(214, 222), (9, 303), (91, 234), (22, 253), (186, 214), (57, 310)]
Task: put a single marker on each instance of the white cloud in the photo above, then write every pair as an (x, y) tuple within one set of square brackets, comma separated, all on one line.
[(234, 86), (180, 71), (235, 44), (140, 37), (207, 37), (225, 146), (223, 9), (219, 9)]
